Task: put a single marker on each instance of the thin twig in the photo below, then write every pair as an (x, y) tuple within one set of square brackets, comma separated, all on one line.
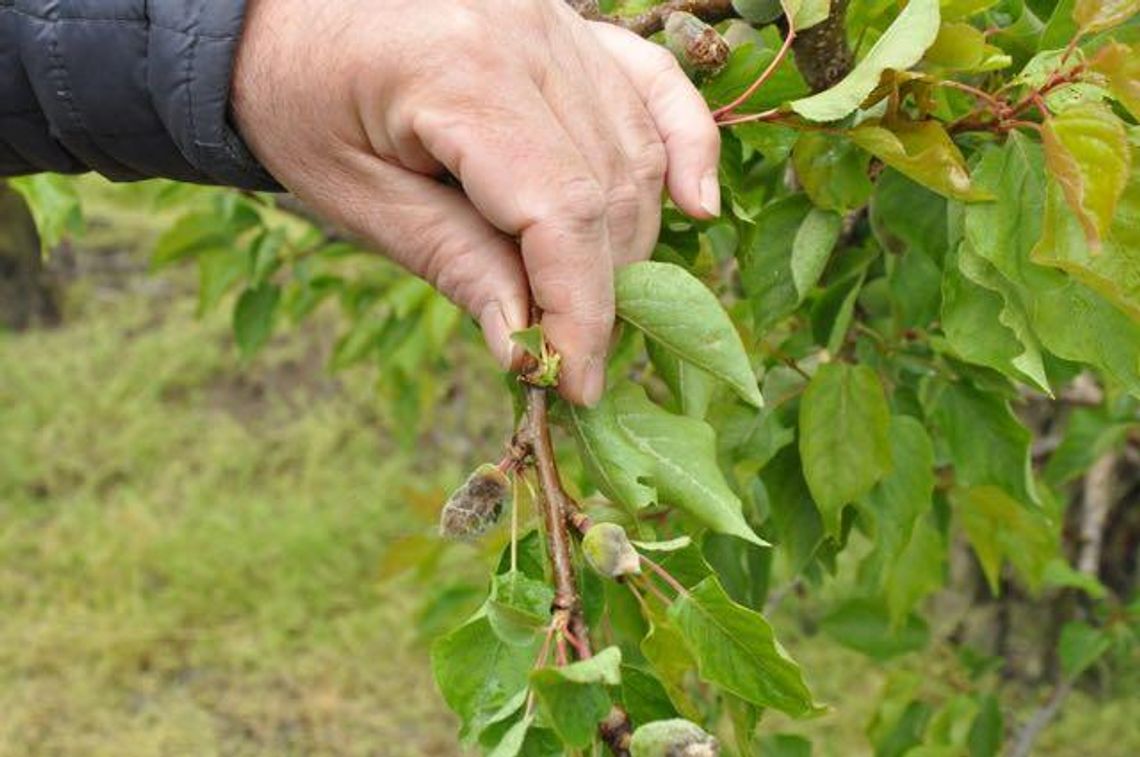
[(766, 74), (559, 511), (666, 576)]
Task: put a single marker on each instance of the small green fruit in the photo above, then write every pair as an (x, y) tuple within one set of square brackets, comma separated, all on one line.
[(672, 738), (608, 551), (476, 506)]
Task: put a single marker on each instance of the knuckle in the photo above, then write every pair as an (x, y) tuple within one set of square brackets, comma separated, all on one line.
[(650, 164), (623, 205), (581, 203)]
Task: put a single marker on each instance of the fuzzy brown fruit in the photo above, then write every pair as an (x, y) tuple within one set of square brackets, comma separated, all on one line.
[(476, 505)]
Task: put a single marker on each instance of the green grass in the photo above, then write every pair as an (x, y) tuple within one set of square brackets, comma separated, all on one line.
[(189, 550)]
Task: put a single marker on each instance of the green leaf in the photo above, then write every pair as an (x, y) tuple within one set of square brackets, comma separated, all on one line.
[(478, 673), (670, 545), (1062, 311), (512, 742), (691, 387), (811, 249), (987, 731), (744, 64), (758, 11), (644, 697), (573, 697), (980, 326), (783, 256), (1120, 65), (952, 10), (190, 236), (1089, 434), (1113, 269), (804, 14), (923, 151), (1080, 647), (918, 572), (532, 340), (1000, 528), (986, 442), (519, 607), (892, 508), (736, 650), (253, 317), (1098, 15), (54, 204), (900, 47), (784, 745), (963, 47), (627, 439), (672, 307), (1087, 152), (833, 171), (664, 649), (614, 463), (1059, 574), (794, 516), (865, 626), (844, 437)]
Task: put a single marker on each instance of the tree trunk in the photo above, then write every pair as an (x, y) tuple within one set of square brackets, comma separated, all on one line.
[(26, 296)]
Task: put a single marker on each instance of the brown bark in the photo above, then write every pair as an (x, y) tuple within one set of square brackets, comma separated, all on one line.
[(822, 53)]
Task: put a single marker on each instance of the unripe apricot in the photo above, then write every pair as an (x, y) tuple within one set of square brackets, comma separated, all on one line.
[(607, 550), (672, 738)]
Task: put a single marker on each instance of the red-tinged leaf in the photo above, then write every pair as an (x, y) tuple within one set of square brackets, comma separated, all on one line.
[(1120, 65), (1097, 15), (923, 151), (1087, 152)]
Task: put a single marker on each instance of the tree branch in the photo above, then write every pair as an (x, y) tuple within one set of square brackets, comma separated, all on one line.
[(822, 53), (653, 20), (559, 512)]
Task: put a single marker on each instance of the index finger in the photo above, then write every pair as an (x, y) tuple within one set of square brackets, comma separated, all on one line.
[(524, 174), (683, 119)]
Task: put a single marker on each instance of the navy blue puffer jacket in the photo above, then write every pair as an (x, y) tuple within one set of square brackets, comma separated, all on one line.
[(128, 88)]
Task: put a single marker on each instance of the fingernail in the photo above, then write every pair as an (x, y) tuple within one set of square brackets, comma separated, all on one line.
[(710, 193), (497, 334), (595, 383)]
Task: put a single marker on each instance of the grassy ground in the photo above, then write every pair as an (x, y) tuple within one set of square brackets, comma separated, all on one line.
[(190, 549)]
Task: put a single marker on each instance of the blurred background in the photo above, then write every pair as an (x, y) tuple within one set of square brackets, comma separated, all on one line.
[(209, 551)]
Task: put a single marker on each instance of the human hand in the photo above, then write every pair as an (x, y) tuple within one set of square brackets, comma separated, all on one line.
[(561, 132)]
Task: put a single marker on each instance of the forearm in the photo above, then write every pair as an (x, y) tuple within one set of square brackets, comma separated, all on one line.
[(129, 88)]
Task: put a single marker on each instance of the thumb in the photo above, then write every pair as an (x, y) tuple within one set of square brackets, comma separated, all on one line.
[(433, 231)]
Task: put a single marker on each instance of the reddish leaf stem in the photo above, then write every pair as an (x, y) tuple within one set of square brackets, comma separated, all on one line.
[(727, 110)]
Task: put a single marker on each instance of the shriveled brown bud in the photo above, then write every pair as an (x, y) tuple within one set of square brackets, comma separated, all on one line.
[(699, 47), (608, 551), (476, 506), (672, 738)]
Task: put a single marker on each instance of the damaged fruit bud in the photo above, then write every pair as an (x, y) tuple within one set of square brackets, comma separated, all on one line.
[(476, 506), (608, 551), (673, 738), (698, 47)]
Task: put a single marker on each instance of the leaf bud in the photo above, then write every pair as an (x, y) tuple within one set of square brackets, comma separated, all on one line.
[(698, 47), (672, 738), (608, 551), (476, 505)]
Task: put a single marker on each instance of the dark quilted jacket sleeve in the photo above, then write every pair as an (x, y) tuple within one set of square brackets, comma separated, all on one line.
[(129, 88)]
